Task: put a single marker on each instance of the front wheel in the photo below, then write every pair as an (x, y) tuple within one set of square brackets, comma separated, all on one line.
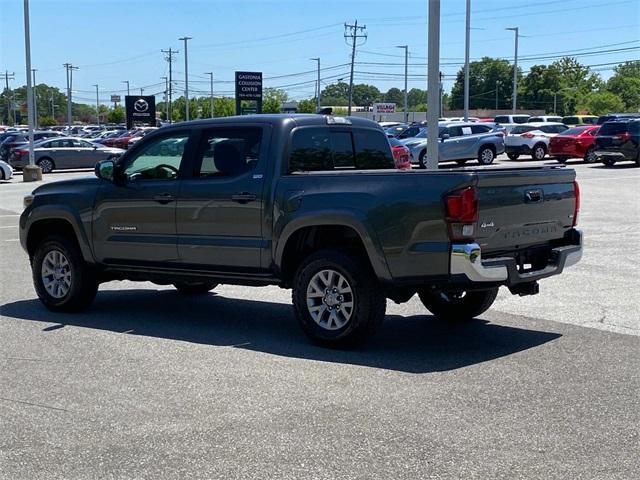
[(590, 156), (462, 163), (562, 159), (538, 152), (457, 305), (46, 165), (513, 156), (486, 155), (421, 163), (337, 299), (63, 281), (194, 288), (609, 162)]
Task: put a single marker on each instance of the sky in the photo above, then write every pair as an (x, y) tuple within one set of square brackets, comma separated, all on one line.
[(115, 40)]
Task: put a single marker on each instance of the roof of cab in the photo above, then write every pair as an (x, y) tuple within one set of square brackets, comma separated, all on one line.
[(275, 118)]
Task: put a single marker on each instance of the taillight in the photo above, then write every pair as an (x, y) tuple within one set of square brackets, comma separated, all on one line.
[(461, 213), (576, 210), (527, 135), (623, 137), (21, 151)]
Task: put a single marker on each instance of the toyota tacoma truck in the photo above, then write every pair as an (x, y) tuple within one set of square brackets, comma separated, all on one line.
[(312, 203)]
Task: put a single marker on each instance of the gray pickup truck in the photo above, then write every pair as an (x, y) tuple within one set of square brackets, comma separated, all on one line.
[(307, 202)]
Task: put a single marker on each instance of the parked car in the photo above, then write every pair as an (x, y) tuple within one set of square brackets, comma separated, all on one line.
[(20, 139), (545, 119), (460, 142), (616, 116), (574, 120), (401, 154), (619, 141), (403, 131), (532, 139), (6, 171), (65, 152), (576, 142), (309, 202), (386, 125), (123, 140), (510, 121)]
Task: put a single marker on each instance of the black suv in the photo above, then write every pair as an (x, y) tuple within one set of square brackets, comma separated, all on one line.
[(610, 117), (619, 141)]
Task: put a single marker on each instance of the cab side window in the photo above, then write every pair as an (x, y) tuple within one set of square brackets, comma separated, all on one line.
[(159, 159), (228, 152)]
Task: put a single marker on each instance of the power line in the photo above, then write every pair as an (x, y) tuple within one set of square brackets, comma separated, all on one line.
[(353, 33)]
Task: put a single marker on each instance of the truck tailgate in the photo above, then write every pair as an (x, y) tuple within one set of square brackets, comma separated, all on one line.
[(523, 207)]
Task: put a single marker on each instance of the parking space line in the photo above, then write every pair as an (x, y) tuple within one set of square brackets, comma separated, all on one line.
[(13, 240), (10, 226)]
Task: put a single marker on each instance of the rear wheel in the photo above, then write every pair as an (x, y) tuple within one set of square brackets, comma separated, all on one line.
[(538, 152), (513, 156), (462, 163), (421, 159), (337, 299), (609, 162), (194, 288), (486, 155), (63, 281), (562, 159), (457, 305), (590, 156), (46, 165)]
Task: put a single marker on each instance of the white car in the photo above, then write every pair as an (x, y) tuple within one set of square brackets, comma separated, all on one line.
[(510, 121), (531, 139), (6, 171), (545, 119)]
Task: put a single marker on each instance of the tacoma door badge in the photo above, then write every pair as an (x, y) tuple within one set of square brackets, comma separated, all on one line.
[(123, 228)]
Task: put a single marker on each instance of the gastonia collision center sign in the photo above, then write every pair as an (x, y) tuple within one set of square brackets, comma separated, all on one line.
[(384, 108), (140, 109), (249, 86)]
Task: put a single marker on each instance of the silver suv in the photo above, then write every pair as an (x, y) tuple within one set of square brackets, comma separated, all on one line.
[(460, 142)]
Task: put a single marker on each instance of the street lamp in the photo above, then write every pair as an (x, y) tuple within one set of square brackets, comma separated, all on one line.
[(127, 82), (186, 76), (406, 76), (318, 84), (515, 69), (31, 172)]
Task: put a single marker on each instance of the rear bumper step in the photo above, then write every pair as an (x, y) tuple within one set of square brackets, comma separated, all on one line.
[(466, 261)]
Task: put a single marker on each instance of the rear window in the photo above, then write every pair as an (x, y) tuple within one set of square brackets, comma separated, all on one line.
[(613, 128), (522, 129), (589, 120), (571, 120), (480, 129), (535, 119), (634, 127), (501, 119), (575, 131), (520, 119), (317, 149)]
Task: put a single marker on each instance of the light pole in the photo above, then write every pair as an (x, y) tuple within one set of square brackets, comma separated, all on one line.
[(467, 40), (166, 97), (317, 84), (127, 82), (186, 77), (515, 69), (141, 91), (35, 99), (31, 172), (406, 77), (97, 105), (433, 90), (211, 78)]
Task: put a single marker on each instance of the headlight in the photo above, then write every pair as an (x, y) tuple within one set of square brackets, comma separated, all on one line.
[(27, 200)]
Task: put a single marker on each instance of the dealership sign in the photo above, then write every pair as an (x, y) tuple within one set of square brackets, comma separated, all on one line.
[(384, 108), (140, 109), (249, 86), (115, 98)]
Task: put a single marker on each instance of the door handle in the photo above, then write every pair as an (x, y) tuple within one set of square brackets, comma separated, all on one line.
[(164, 198), (243, 197)]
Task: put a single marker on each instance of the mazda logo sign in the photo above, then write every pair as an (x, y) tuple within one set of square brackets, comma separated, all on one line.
[(141, 105)]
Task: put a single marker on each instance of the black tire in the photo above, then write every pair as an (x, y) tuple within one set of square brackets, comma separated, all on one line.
[(457, 306), (562, 160), (362, 291), (513, 156), (194, 288), (83, 281), (539, 151), (421, 163), (46, 164), (462, 163), (486, 155), (609, 162), (590, 156)]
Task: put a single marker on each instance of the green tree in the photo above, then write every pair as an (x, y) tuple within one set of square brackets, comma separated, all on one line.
[(47, 121), (599, 103), (116, 115), (485, 76), (224, 107), (365, 95), (335, 94), (539, 86), (395, 95), (416, 97), (272, 100), (307, 106), (626, 84)]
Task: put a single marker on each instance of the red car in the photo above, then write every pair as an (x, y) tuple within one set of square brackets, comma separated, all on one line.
[(401, 154), (577, 142)]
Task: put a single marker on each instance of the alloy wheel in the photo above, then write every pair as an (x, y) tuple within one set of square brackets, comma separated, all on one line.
[(330, 299), (56, 274)]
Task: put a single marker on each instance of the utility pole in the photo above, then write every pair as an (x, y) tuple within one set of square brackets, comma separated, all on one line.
[(467, 40), (166, 97), (433, 94), (70, 68), (441, 87), (406, 79), (97, 105), (317, 59), (515, 69), (353, 33), (211, 77), (35, 99), (141, 91), (9, 76), (186, 77), (127, 82), (169, 58), (497, 85)]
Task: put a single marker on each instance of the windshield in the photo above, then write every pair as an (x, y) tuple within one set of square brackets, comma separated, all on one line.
[(575, 131), (520, 119), (523, 129)]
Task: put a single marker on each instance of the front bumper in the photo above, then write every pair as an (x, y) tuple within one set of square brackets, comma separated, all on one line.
[(467, 264), (619, 156)]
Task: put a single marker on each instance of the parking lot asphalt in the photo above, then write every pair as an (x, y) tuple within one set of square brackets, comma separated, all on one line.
[(148, 384)]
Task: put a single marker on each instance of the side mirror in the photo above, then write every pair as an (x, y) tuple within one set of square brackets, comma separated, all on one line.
[(444, 136), (105, 170)]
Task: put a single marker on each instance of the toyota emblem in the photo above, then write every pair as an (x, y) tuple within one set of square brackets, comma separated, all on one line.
[(141, 105)]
